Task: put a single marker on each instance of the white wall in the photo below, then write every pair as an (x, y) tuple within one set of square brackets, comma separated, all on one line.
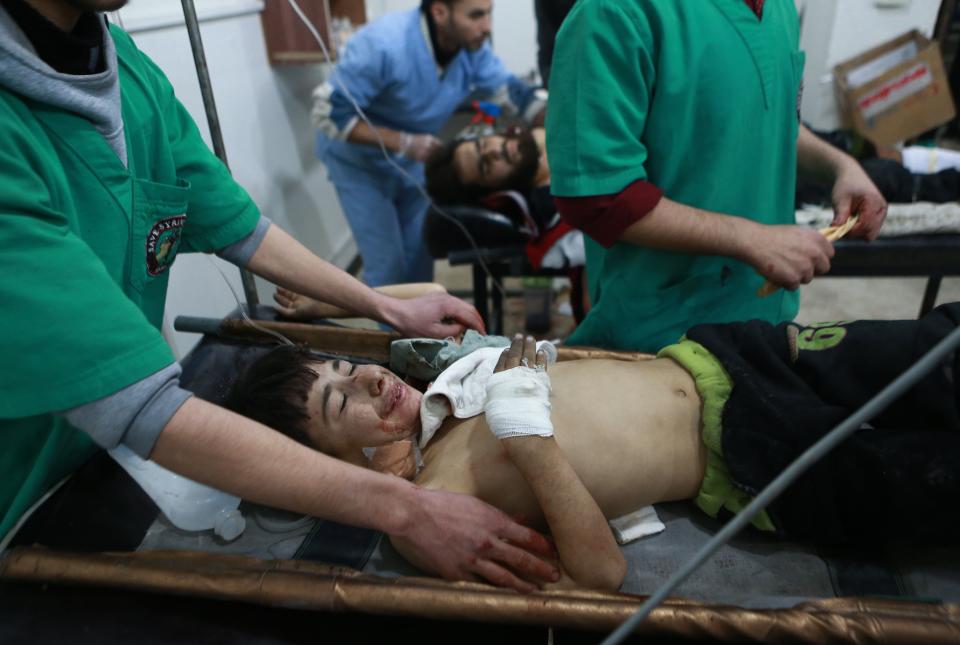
[(836, 30), (264, 117), (377, 8), (515, 35)]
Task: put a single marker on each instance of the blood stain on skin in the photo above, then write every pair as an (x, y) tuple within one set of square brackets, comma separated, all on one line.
[(389, 428)]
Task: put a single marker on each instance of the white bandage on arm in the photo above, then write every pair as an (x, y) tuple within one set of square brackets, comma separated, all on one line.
[(518, 403)]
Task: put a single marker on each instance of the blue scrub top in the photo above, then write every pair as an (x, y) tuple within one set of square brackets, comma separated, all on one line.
[(390, 70)]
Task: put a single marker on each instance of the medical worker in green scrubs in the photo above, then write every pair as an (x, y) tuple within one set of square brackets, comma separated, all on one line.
[(674, 143), (105, 178)]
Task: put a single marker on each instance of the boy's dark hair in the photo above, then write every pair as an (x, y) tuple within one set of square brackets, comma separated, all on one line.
[(274, 388)]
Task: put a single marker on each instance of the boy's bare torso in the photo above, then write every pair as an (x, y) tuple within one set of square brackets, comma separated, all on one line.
[(631, 431)]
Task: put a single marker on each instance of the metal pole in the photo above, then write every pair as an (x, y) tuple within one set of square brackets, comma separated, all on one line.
[(213, 120)]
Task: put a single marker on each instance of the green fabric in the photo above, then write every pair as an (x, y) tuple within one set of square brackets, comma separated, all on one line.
[(425, 358), (717, 490), (699, 98), (81, 313)]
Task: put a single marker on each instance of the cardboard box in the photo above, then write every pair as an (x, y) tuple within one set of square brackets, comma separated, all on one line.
[(896, 90)]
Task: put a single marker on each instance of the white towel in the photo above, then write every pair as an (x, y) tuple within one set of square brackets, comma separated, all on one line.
[(636, 525), (461, 389)]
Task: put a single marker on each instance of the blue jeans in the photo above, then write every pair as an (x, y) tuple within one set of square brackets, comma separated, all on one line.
[(385, 212)]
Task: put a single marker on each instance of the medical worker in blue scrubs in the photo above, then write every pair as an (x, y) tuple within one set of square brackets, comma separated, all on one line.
[(408, 71)]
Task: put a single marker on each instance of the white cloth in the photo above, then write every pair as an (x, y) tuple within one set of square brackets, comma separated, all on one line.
[(635, 525), (922, 160), (902, 219), (461, 389), (518, 403), (568, 251)]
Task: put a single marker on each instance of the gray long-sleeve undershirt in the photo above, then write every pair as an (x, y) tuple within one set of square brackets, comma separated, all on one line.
[(136, 415)]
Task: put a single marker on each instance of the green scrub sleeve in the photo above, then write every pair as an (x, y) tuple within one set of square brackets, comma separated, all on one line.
[(220, 212), (68, 334), (604, 71)]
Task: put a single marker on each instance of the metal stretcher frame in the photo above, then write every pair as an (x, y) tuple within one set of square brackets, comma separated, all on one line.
[(315, 587), (930, 256)]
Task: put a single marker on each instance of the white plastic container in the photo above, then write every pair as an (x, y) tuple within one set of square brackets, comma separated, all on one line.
[(190, 506)]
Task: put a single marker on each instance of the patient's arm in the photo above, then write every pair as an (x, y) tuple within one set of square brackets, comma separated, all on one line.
[(583, 538)]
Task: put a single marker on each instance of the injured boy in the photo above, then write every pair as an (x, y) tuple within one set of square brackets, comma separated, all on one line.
[(713, 419)]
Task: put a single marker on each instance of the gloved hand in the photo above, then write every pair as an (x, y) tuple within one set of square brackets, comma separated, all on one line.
[(418, 147)]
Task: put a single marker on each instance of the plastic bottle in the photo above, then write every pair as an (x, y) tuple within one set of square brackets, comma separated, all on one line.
[(190, 506)]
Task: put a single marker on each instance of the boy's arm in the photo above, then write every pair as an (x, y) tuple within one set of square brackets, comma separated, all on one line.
[(587, 548)]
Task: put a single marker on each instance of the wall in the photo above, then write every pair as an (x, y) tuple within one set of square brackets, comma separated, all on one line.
[(515, 35), (264, 115), (835, 30)]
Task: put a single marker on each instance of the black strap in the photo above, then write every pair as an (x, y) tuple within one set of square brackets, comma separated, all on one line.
[(862, 572), (338, 544)]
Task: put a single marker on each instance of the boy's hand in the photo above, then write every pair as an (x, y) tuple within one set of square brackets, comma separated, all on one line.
[(521, 353)]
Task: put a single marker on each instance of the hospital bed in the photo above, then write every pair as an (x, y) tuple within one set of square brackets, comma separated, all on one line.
[(496, 251), (918, 240), (755, 589)]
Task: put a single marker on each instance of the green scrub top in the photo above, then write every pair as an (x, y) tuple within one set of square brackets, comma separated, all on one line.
[(86, 246), (700, 98)]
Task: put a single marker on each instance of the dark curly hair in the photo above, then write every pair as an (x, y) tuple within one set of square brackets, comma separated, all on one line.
[(446, 187), (443, 183)]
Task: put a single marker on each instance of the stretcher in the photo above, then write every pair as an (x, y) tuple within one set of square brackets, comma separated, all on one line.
[(756, 589)]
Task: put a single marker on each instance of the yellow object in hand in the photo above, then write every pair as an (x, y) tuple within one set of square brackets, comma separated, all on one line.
[(832, 233)]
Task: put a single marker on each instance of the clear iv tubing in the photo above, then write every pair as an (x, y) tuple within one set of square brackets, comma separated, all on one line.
[(383, 146), (817, 451)]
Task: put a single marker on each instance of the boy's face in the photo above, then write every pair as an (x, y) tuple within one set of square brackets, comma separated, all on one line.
[(360, 406)]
